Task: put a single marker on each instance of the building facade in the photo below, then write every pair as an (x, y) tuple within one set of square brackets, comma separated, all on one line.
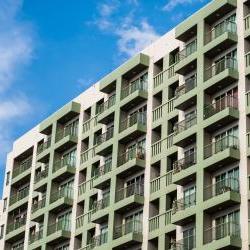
[(154, 156)]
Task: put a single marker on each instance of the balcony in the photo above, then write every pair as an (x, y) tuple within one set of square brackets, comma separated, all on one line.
[(63, 168), (186, 58), (19, 198), (222, 152), (186, 94), (129, 197), (41, 179), (84, 220), (88, 157), (220, 75), (61, 199), (223, 236), (220, 38), (184, 131), (21, 173), (36, 237), (104, 142), (161, 181), (37, 211), (185, 169), (159, 223), (58, 231), (247, 64), (248, 144), (221, 195), (16, 228), (42, 150), (184, 210), (83, 187), (106, 110), (220, 113), (187, 243), (127, 234), (100, 213), (133, 94), (66, 138), (88, 125), (247, 96), (133, 127), (101, 177), (247, 26), (96, 241), (131, 161)]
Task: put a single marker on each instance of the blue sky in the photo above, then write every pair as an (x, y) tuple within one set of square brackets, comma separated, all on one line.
[(52, 50)]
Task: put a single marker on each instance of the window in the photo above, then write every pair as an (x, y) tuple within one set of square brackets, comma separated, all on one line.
[(63, 220), (7, 178), (189, 197), (4, 204), (1, 231), (17, 246), (188, 238), (69, 158)]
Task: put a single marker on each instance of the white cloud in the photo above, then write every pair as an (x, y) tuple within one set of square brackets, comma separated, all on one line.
[(174, 3)]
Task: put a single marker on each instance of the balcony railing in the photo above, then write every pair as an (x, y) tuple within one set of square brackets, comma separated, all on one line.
[(220, 145), (186, 87), (185, 163), (221, 231), (155, 184), (19, 196), (187, 51), (220, 187), (219, 29), (131, 88), (96, 241), (101, 204), (219, 67), (67, 161), (83, 219), (22, 167), (42, 174), (102, 170), (158, 112), (132, 189), (137, 118), (154, 222), (83, 186), (247, 22), (92, 122), (132, 226), (248, 139), (36, 236), (183, 203), (135, 153), (106, 105), (105, 136), (221, 104), (38, 205), (15, 225), (185, 124), (43, 146), (187, 243), (247, 59), (64, 225), (62, 193), (63, 132), (157, 147)]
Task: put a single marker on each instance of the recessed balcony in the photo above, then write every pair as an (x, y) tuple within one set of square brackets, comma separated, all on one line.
[(184, 131), (127, 234), (133, 127), (106, 110), (187, 243), (186, 95), (84, 220), (221, 152), (247, 64), (13, 230), (35, 238), (134, 94), (41, 179), (100, 210), (220, 75), (97, 241), (247, 26), (129, 197), (185, 169), (221, 195), (184, 210), (104, 142), (220, 38), (43, 150), (220, 113), (19, 198), (223, 236), (186, 58), (247, 96), (37, 211), (63, 168)]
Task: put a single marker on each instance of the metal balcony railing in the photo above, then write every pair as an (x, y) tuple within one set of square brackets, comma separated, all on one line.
[(102, 170), (247, 59), (186, 87), (137, 118), (247, 22), (221, 231), (223, 103), (187, 51), (42, 174), (106, 105), (219, 67), (220, 145), (43, 146), (64, 225), (187, 243), (22, 167), (19, 195), (183, 203), (155, 184), (101, 204), (67, 161), (15, 225), (139, 84), (135, 153), (220, 187), (219, 29), (185, 163), (185, 124), (36, 236), (154, 222), (132, 226), (105, 136), (62, 193), (132, 189), (38, 205), (63, 132), (96, 241)]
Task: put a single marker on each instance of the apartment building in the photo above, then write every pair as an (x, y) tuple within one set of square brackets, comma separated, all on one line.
[(153, 156)]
